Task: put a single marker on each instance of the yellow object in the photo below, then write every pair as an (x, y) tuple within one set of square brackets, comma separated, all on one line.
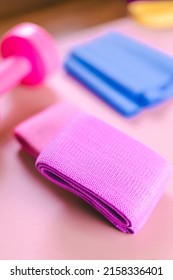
[(156, 14)]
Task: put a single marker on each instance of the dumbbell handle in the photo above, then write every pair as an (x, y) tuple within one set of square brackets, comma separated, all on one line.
[(12, 72)]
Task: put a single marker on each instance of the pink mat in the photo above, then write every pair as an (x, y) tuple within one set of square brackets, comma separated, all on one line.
[(117, 175)]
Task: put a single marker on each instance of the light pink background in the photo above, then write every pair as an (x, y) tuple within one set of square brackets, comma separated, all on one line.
[(41, 221)]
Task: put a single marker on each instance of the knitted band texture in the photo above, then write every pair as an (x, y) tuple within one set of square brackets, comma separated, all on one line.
[(120, 177)]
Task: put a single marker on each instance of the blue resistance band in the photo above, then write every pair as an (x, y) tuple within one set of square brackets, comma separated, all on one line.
[(128, 75)]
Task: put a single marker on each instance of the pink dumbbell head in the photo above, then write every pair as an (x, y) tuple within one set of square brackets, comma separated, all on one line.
[(29, 56)]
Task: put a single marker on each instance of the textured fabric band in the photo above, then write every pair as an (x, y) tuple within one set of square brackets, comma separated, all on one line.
[(117, 175), (35, 133)]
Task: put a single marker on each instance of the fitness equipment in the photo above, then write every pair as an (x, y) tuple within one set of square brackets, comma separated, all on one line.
[(29, 55), (128, 75), (154, 14)]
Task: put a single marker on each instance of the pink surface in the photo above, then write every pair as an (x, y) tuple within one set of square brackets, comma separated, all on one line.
[(36, 217)]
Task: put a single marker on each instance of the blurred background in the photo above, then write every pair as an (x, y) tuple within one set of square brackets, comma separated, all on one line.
[(60, 16)]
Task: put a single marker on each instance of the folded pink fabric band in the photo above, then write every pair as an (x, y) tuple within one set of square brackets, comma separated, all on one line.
[(117, 175), (35, 133)]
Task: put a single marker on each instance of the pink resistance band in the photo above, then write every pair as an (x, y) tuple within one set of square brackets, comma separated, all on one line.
[(117, 175), (35, 133)]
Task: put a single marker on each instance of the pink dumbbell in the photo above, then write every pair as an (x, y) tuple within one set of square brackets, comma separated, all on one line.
[(29, 56)]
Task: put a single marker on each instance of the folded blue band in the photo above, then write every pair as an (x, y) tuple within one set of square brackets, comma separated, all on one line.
[(128, 75)]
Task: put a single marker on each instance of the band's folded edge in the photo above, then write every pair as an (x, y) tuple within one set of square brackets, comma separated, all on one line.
[(127, 192)]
